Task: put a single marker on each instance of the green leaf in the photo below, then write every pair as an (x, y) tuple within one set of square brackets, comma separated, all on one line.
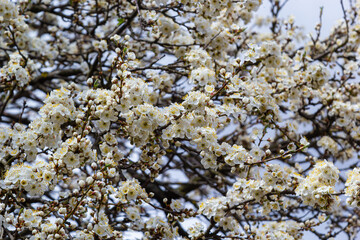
[(96, 83), (120, 21)]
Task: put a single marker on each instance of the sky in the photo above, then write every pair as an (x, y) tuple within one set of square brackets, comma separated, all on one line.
[(306, 12)]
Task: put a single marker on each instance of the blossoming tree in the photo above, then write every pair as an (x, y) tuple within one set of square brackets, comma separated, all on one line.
[(162, 119)]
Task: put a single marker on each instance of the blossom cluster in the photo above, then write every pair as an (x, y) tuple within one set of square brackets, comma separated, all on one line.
[(352, 187), (318, 188), (15, 72), (34, 179)]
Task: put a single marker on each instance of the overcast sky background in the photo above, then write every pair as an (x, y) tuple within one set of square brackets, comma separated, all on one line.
[(306, 12)]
